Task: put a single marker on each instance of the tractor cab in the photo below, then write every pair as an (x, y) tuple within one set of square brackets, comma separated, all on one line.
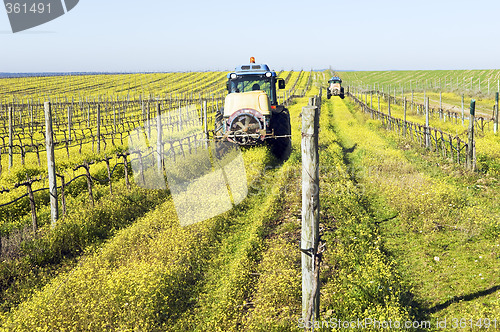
[(335, 79), (255, 77)]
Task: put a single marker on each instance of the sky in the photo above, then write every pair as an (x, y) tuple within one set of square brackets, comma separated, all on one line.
[(187, 35)]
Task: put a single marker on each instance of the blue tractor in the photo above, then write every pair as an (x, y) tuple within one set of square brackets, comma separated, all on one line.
[(251, 113)]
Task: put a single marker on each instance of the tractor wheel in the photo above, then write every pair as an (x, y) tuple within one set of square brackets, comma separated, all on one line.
[(280, 123), (342, 93)]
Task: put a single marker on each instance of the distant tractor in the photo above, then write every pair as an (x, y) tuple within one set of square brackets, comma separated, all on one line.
[(251, 113), (335, 88)]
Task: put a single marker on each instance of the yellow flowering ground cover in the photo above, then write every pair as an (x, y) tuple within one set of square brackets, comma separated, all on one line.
[(439, 222), (237, 271)]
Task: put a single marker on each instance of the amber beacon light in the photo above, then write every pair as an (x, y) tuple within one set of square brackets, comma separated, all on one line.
[(252, 59)]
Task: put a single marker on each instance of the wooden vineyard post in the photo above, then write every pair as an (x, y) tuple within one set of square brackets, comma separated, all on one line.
[(51, 165), (69, 123), (310, 213), (114, 120), (389, 123), (495, 120), (425, 99), (98, 127), (31, 119), (426, 129), (441, 115), (389, 106), (180, 118), (142, 108), (404, 116), (88, 115), (312, 101), (463, 112), (148, 118), (471, 148), (11, 139), (412, 101), (378, 99), (159, 140), (205, 119)]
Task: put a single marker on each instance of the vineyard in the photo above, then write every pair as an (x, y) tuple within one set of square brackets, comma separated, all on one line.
[(450, 84), (410, 230), (448, 113)]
